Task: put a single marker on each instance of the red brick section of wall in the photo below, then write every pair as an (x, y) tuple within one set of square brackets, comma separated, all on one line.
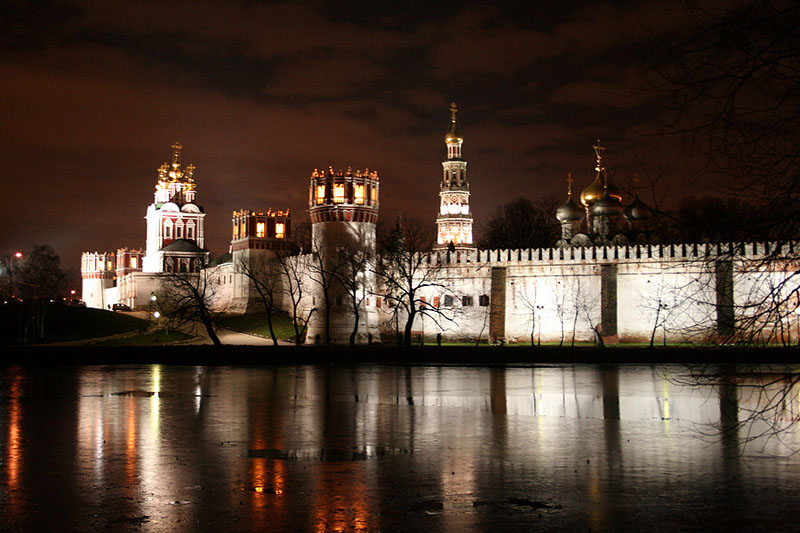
[(497, 311), (608, 304)]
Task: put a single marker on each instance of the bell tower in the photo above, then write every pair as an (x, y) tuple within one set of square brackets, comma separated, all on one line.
[(454, 221), (175, 223)]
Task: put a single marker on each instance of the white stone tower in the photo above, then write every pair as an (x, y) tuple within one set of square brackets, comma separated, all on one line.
[(175, 223), (97, 275), (344, 210), (454, 222)]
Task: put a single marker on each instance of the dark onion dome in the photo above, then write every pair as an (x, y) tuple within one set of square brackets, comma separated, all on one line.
[(607, 205), (182, 245), (638, 210), (569, 211)]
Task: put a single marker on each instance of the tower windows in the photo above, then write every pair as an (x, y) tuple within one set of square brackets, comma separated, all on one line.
[(338, 193), (279, 230), (168, 229), (320, 194), (374, 196), (359, 194), (261, 229)]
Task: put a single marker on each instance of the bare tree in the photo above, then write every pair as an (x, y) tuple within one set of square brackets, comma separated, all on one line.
[(264, 272), (37, 281), (409, 272), (728, 86), (187, 297), (522, 224), (293, 273), (354, 263), (325, 266)]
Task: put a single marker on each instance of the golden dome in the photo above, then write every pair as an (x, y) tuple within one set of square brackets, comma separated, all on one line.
[(595, 190), (453, 135)]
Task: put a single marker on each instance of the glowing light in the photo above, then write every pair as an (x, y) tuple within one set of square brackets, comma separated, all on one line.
[(156, 314), (338, 193), (18, 255), (279, 230), (134, 262), (359, 194), (261, 229), (320, 194)]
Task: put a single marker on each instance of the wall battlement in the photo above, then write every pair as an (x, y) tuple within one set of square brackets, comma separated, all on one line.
[(633, 253)]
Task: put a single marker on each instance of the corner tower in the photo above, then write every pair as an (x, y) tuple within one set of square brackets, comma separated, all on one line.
[(454, 221), (175, 223), (343, 206)]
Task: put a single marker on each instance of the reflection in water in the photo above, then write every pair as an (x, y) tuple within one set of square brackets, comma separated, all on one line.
[(13, 446), (364, 448)]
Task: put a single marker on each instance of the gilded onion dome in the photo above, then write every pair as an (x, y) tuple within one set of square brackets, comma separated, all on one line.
[(597, 189), (453, 135), (569, 211)]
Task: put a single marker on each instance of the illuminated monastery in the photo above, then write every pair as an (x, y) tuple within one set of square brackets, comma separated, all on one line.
[(602, 281)]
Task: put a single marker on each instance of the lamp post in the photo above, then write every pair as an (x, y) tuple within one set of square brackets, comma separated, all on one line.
[(153, 299), (14, 259), (541, 310)]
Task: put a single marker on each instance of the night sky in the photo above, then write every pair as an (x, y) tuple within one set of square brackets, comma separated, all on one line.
[(262, 93)]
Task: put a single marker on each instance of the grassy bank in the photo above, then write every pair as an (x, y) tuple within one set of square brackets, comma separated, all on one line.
[(65, 324), (256, 324)]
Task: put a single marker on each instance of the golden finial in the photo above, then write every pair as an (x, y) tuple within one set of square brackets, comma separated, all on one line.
[(162, 171), (569, 184), (599, 151), (453, 135), (190, 171), (176, 154)]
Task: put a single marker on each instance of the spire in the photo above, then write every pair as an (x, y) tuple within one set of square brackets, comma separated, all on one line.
[(599, 151), (453, 134), (569, 184), (176, 154)]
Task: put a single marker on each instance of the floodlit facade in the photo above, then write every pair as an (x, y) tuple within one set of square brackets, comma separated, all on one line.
[(603, 281), (343, 206), (454, 221)]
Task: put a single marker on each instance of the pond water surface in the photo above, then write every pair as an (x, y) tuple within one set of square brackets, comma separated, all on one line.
[(393, 448)]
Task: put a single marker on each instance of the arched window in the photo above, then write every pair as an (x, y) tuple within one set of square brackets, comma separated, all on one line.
[(483, 300)]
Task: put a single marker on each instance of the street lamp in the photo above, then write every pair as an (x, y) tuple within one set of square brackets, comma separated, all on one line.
[(17, 256), (541, 311)]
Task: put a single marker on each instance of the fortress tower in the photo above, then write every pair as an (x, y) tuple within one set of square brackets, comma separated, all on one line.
[(344, 210), (258, 236), (98, 271), (454, 222), (175, 223)]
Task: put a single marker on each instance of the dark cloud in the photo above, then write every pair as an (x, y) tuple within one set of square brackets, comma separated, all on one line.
[(261, 93)]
